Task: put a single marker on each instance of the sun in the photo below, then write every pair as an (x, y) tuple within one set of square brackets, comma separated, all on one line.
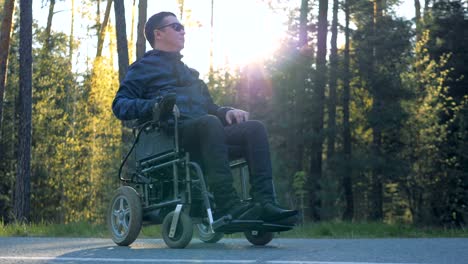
[(248, 31), (244, 32)]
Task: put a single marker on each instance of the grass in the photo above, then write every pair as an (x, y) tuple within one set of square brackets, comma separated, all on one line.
[(80, 229), (370, 230), (310, 230)]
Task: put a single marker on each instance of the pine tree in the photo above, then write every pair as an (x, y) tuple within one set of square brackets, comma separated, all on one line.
[(23, 176)]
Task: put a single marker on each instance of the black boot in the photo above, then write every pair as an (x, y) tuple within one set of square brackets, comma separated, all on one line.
[(273, 212), (234, 209), (288, 221)]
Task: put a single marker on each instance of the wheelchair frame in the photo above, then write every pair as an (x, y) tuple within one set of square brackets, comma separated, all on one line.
[(142, 199)]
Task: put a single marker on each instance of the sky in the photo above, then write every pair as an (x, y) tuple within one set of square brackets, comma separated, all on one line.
[(245, 31)]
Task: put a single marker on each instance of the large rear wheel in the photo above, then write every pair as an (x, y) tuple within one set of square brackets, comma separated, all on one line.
[(124, 216)]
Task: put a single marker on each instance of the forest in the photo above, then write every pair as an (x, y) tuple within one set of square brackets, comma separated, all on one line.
[(370, 128)]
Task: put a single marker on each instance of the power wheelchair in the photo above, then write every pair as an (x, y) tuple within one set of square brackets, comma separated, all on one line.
[(168, 188)]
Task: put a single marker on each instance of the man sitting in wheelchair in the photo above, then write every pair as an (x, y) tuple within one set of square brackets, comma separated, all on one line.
[(207, 131)]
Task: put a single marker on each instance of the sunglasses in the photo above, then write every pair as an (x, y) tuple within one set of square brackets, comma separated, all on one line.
[(175, 26)]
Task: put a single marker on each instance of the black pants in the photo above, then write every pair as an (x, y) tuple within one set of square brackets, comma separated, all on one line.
[(212, 144)]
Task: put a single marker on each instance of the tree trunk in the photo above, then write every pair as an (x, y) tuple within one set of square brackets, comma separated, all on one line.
[(23, 172), (121, 32), (98, 18), (70, 58), (70, 44), (141, 45), (49, 25), (347, 177), (181, 8), (417, 8), (426, 7), (211, 70), (122, 51), (131, 42), (5, 35), (103, 29), (295, 133), (299, 101), (376, 195), (303, 23), (332, 86), (317, 127)]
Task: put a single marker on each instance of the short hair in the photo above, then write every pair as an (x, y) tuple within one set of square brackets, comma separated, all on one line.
[(154, 22)]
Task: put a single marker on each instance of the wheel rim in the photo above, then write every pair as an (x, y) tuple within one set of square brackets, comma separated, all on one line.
[(204, 229), (121, 216)]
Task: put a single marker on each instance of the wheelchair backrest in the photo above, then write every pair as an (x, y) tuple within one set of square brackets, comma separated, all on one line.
[(153, 142)]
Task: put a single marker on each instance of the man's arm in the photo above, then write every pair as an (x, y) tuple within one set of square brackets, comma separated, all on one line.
[(129, 104)]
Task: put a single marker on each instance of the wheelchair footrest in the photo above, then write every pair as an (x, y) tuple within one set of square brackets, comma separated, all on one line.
[(272, 227), (238, 226), (233, 226)]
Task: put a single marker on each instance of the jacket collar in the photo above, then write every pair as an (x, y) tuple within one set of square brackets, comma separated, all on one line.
[(165, 54)]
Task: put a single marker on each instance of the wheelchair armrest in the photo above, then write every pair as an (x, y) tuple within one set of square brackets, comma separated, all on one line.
[(161, 113), (164, 108)]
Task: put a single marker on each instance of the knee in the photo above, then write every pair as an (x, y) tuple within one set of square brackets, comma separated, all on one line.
[(210, 122), (256, 127)]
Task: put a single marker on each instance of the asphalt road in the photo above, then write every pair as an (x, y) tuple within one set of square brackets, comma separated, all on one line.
[(279, 251)]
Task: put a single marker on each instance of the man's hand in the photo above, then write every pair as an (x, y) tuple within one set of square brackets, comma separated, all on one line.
[(236, 115)]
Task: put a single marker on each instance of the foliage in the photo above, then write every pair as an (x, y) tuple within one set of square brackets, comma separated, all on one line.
[(428, 134), (222, 87), (53, 83), (299, 185), (289, 119), (105, 138), (9, 131), (76, 140), (408, 117)]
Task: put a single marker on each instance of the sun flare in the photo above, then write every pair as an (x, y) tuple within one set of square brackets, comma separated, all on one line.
[(244, 32), (247, 32)]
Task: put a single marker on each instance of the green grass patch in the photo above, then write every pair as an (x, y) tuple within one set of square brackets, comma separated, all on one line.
[(340, 229), (79, 229), (309, 230)]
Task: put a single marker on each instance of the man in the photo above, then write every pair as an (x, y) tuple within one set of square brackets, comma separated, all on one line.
[(207, 129)]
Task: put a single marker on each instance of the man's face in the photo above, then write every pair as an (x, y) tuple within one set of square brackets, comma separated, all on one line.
[(170, 36)]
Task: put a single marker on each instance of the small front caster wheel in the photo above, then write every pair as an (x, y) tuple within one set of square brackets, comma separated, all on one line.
[(183, 234), (205, 234), (258, 238)]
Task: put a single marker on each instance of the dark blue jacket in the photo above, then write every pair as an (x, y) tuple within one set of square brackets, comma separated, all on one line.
[(159, 73)]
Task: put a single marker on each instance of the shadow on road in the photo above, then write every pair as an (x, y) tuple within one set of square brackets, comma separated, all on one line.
[(236, 250)]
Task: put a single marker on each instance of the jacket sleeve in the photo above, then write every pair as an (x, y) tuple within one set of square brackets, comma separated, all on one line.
[(129, 104), (132, 101)]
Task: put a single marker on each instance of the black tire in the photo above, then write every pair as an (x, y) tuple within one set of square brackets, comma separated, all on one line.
[(205, 235), (259, 238), (124, 216), (183, 234)]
